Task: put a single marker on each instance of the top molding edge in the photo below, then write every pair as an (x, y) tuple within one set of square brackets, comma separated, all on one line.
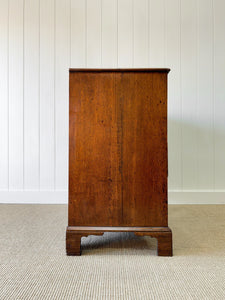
[(157, 70)]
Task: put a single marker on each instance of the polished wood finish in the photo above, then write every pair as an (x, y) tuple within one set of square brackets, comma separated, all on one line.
[(157, 70), (118, 154), (162, 234)]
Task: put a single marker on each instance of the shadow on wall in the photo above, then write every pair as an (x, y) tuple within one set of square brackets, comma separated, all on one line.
[(196, 153)]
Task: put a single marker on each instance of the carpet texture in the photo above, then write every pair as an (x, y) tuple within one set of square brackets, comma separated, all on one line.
[(34, 264)]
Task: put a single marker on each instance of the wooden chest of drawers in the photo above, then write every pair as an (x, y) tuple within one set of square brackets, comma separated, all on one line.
[(118, 155)]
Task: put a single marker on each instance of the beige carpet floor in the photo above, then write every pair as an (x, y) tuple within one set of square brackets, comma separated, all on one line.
[(34, 264)]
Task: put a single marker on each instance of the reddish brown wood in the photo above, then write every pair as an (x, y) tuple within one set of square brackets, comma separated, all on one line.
[(73, 243), (94, 229), (152, 70), (162, 234), (144, 148), (94, 151), (165, 247), (118, 150)]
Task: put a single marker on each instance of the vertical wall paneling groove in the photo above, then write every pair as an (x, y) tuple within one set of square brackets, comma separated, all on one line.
[(16, 19), (86, 33), (213, 89), (140, 33), (4, 95), (54, 94), (204, 122), (41, 39), (132, 5), (125, 42), (219, 89), (148, 31), (93, 33), (172, 26), (189, 92), (62, 44), (70, 39), (165, 32), (109, 33), (78, 33), (47, 94), (31, 94), (157, 38), (181, 100), (101, 2), (117, 33)]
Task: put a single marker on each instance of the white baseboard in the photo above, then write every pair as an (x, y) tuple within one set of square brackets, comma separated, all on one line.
[(34, 197), (61, 197), (196, 197)]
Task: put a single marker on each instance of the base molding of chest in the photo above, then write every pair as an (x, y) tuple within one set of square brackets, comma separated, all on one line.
[(75, 233)]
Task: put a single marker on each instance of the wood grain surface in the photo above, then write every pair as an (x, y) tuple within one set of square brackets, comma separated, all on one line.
[(95, 186), (162, 234), (118, 148)]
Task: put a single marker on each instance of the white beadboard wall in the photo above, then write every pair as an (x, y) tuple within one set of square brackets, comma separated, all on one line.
[(41, 39)]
